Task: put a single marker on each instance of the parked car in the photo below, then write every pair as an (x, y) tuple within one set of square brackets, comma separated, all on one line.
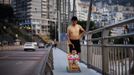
[(41, 45), (30, 46)]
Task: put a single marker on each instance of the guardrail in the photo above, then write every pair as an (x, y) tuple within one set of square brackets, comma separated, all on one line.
[(45, 67), (102, 54)]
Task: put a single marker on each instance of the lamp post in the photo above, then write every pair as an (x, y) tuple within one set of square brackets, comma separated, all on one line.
[(4, 27), (68, 11), (59, 18), (55, 23), (74, 8)]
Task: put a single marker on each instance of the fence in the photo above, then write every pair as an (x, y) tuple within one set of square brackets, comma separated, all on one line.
[(111, 55)]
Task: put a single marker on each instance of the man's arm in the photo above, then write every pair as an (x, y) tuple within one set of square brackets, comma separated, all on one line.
[(82, 31), (69, 42)]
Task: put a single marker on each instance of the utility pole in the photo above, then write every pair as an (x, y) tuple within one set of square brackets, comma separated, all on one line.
[(74, 8), (89, 14), (65, 16), (55, 2), (69, 11), (59, 18)]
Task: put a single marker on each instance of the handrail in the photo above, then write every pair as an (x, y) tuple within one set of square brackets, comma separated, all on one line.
[(108, 37), (113, 25), (124, 46), (123, 35)]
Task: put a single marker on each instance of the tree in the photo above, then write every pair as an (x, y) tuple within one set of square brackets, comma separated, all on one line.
[(6, 13), (92, 25), (8, 25)]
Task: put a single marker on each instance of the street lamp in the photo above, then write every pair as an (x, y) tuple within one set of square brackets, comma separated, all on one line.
[(59, 18), (74, 8), (4, 27)]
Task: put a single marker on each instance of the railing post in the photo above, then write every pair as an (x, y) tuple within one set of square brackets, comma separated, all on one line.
[(89, 50), (105, 53)]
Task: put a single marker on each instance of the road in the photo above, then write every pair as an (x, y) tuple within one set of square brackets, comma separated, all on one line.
[(20, 62)]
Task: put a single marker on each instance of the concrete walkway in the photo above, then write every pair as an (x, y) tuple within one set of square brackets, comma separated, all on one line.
[(60, 63)]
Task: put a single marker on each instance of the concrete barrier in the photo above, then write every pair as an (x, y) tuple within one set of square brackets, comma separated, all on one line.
[(10, 47)]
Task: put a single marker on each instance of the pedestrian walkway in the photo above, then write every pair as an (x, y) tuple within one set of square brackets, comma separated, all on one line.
[(60, 63)]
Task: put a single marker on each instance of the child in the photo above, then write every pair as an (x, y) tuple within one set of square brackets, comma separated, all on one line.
[(73, 57)]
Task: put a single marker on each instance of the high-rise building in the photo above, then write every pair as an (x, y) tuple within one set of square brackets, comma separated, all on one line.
[(33, 14), (5, 1), (82, 9), (52, 12)]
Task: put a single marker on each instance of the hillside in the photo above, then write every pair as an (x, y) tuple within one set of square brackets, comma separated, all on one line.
[(9, 31), (113, 2)]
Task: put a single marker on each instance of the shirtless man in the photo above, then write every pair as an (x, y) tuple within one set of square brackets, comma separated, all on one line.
[(74, 32)]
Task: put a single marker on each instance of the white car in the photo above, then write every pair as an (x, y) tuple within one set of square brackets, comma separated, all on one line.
[(30, 46)]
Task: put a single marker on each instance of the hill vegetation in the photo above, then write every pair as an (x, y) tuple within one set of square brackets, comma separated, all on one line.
[(9, 29)]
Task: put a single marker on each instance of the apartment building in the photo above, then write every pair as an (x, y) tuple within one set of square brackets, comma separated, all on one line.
[(34, 14), (5, 1), (52, 12), (82, 10)]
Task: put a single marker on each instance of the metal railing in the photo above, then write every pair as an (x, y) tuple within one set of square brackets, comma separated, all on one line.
[(111, 55), (45, 66)]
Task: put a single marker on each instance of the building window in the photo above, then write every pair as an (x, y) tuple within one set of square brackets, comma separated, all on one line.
[(43, 27), (38, 31), (33, 26)]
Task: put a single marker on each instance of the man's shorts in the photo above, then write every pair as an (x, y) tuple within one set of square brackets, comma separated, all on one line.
[(76, 47)]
